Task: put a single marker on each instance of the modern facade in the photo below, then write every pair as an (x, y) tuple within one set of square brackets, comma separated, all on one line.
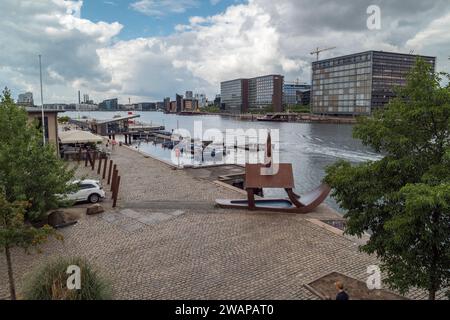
[(108, 105), (202, 100), (360, 83), (242, 95), (145, 106), (292, 91), (218, 102), (167, 104), (234, 95), (179, 102), (304, 98), (190, 105), (266, 91), (173, 107), (189, 95)]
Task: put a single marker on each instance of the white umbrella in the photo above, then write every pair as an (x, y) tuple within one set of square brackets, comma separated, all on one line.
[(78, 136)]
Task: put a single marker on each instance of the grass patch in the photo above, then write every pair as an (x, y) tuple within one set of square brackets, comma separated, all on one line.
[(49, 282)]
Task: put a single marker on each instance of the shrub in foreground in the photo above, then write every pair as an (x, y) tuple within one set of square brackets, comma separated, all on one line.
[(49, 282)]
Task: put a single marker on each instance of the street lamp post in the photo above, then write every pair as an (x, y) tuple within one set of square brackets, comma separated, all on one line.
[(42, 101)]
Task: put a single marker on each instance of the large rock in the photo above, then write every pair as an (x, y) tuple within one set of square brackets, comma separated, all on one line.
[(94, 209), (56, 218), (60, 219)]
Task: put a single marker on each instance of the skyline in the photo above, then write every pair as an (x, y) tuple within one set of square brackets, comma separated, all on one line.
[(157, 48)]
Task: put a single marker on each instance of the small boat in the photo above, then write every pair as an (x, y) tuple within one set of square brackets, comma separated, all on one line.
[(273, 118), (168, 144)]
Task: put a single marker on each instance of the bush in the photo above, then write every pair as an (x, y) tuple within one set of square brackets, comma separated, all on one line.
[(63, 119), (49, 282)]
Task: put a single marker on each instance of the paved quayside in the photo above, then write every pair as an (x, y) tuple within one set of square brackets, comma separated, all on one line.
[(166, 240)]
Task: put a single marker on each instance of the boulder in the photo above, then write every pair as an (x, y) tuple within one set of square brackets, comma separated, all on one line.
[(94, 209), (56, 218), (61, 219)]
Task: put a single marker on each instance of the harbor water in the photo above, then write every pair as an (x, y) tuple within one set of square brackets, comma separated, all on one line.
[(310, 147)]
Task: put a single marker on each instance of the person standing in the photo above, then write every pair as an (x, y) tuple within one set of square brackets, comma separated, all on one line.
[(113, 144), (341, 295)]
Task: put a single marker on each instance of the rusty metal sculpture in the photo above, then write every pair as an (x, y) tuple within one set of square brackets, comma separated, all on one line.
[(271, 175)]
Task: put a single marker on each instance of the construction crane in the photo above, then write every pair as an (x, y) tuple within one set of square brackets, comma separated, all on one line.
[(318, 51)]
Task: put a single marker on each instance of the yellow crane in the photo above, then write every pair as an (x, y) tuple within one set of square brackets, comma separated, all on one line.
[(318, 51)]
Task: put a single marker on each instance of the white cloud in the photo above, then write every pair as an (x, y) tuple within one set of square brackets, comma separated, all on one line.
[(68, 45), (255, 38), (437, 33), (162, 7)]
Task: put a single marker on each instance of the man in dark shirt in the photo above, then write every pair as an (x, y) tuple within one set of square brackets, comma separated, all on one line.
[(342, 295)]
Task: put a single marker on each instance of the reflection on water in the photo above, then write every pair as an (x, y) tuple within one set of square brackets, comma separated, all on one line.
[(309, 147)]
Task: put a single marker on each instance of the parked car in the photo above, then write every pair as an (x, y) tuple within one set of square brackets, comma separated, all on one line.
[(90, 190)]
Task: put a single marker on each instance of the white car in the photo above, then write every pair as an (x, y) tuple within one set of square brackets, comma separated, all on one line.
[(90, 190)]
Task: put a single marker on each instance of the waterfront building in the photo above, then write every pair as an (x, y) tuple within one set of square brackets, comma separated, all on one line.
[(167, 104), (218, 102), (109, 105), (145, 106), (304, 98), (360, 83), (179, 101), (266, 91), (234, 95), (293, 93), (190, 105), (84, 106), (26, 99), (202, 100), (189, 95), (173, 107), (242, 95)]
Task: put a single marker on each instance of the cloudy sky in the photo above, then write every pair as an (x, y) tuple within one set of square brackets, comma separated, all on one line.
[(148, 49)]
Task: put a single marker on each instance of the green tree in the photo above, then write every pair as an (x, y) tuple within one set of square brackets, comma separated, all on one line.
[(29, 171), (15, 233), (31, 176), (403, 200)]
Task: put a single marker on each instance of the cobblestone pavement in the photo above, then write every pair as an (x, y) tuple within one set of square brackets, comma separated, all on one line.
[(183, 252)]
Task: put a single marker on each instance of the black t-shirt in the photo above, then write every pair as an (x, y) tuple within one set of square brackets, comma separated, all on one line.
[(342, 296)]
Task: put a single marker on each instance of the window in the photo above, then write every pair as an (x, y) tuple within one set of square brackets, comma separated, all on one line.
[(87, 186)]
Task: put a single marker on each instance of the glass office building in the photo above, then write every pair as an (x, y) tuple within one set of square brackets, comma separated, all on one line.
[(360, 83), (234, 95), (292, 93), (109, 105), (240, 95)]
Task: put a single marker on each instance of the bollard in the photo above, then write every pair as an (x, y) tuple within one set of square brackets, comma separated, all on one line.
[(87, 158), (99, 164), (110, 171), (104, 167), (113, 177), (114, 182), (116, 191), (93, 160)]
